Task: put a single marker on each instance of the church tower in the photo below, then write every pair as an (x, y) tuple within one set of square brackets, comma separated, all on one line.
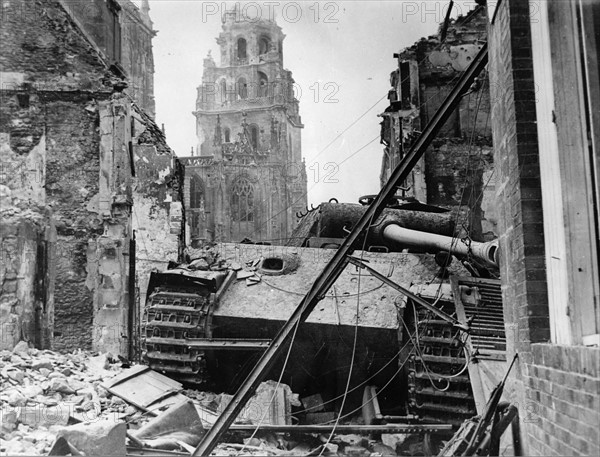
[(246, 178)]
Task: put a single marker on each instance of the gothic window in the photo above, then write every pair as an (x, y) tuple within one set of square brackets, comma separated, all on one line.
[(263, 84), (196, 192), (290, 149), (242, 200), (227, 134), (241, 48), (223, 90), (264, 44), (242, 88), (254, 136)]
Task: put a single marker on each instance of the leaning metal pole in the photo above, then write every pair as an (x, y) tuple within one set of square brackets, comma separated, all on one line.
[(339, 261)]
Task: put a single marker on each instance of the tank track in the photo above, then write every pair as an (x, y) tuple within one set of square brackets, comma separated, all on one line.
[(447, 398), (172, 316)]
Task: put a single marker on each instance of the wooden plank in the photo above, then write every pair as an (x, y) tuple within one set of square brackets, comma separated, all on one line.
[(145, 389), (131, 373)]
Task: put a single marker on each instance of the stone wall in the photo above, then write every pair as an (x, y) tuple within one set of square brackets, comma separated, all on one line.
[(158, 220), (71, 183), (66, 185), (22, 297), (49, 131)]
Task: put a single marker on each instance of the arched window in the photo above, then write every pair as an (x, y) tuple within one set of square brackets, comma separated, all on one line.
[(264, 45), (196, 192), (227, 134), (263, 84), (242, 200), (241, 48), (254, 137), (242, 88), (223, 91)]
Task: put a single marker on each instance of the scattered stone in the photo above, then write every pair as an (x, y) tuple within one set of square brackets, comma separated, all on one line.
[(351, 439), (41, 363), (8, 420), (45, 372), (103, 437), (22, 347), (32, 391), (356, 451), (313, 403), (117, 401), (16, 375), (393, 440), (45, 416), (383, 450), (77, 399), (61, 385), (66, 372), (17, 360), (199, 264), (56, 374), (15, 398), (77, 385)]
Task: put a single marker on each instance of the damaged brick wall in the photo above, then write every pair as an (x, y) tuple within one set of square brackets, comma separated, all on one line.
[(24, 220), (66, 186), (158, 219), (47, 136), (115, 200), (72, 168), (22, 298)]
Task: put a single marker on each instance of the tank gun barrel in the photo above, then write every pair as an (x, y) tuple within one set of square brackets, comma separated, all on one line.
[(486, 252)]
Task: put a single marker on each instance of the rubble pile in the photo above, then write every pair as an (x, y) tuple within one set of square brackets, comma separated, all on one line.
[(70, 404), (43, 392), (208, 258)]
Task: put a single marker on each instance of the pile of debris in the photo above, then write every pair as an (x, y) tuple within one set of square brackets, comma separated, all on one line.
[(84, 404), (43, 392), (208, 258)]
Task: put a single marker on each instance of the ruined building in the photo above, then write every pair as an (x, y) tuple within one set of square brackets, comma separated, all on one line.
[(123, 33), (88, 183), (457, 169), (247, 178)]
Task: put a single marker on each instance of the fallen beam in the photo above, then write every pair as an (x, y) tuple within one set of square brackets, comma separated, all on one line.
[(339, 261), (385, 428)]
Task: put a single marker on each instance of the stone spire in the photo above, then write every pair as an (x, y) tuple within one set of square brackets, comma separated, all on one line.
[(145, 13)]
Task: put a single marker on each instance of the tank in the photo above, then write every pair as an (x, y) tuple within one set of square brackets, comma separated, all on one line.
[(206, 322)]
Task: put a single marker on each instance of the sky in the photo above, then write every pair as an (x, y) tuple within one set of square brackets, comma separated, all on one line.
[(341, 56)]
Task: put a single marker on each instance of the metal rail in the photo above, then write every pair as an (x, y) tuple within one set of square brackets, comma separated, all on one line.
[(339, 261), (383, 428), (213, 343)]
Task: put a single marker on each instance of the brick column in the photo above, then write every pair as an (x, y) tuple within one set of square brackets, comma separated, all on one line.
[(516, 157)]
